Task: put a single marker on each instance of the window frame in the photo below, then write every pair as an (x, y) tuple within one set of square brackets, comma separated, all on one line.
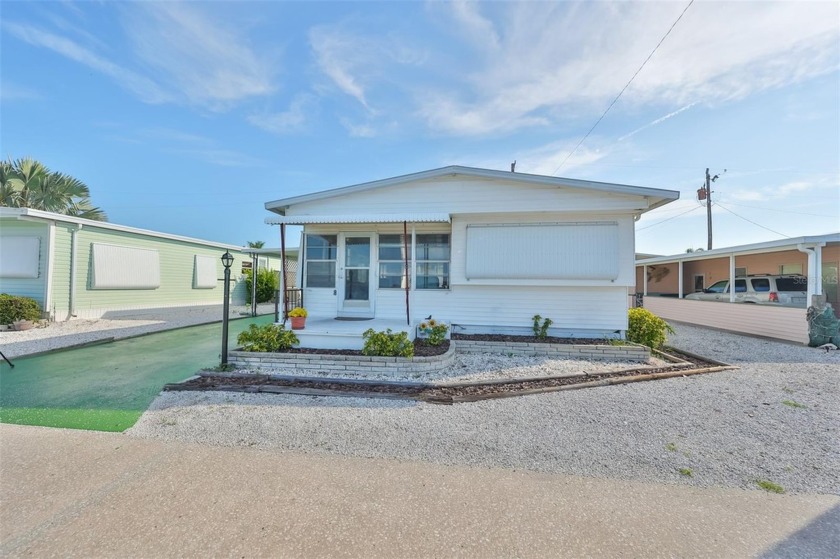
[(308, 261), (417, 261), (403, 239)]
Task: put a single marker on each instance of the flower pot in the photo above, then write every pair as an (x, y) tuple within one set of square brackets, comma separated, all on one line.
[(298, 322), (22, 325), (4, 327)]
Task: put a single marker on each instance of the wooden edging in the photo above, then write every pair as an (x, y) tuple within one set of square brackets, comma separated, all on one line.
[(703, 358), (592, 384)]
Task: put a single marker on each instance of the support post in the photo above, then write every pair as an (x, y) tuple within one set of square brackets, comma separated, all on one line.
[(644, 280), (407, 273), (681, 290), (731, 278), (254, 270), (283, 271)]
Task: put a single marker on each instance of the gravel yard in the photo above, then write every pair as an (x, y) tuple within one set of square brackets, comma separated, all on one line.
[(777, 419), (125, 324)]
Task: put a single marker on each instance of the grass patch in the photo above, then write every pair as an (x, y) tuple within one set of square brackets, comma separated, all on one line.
[(89, 419), (671, 447), (770, 486), (793, 404), (687, 472)]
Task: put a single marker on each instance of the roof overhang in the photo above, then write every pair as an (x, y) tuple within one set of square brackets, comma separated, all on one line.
[(356, 218), (743, 250)]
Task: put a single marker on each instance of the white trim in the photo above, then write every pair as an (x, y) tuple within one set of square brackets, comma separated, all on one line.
[(22, 213), (769, 246), (48, 295), (356, 218)]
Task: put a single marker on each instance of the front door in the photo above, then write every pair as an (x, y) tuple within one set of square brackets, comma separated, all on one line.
[(355, 278)]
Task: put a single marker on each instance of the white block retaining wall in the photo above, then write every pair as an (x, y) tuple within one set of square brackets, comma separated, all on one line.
[(400, 366)]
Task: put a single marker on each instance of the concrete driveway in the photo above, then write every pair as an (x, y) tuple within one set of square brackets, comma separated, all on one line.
[(76, 493)]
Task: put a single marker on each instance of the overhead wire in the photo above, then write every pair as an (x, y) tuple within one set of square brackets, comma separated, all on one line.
[(750, 221), (668, 219), (786, 211), (620, 93)]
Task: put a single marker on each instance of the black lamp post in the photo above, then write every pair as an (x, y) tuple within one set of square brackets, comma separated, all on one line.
[(227, 262)]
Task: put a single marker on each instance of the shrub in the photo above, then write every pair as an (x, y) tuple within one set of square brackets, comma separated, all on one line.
[(387, 344), (434, 331), (268, 282), (269, 337), (646, 328), (541, 330), (13, 307)]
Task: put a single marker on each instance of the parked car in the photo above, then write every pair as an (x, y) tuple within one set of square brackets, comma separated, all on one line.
[(785, 291)]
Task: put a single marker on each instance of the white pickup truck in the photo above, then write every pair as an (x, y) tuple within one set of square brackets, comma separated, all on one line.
[(785, 291)]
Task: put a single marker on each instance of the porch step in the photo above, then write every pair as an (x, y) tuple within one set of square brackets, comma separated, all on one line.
[(329, 333)]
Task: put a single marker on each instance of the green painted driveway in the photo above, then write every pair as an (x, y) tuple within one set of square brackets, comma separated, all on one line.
[(107, 387)]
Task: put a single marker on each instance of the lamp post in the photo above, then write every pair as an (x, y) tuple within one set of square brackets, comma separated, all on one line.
[(227, 262)]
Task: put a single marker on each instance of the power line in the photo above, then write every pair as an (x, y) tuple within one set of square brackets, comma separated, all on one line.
[(669, 219), (786, 211), (620, 93), (751, 221)]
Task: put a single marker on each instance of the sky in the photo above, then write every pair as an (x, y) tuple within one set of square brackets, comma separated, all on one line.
[(187, 117)]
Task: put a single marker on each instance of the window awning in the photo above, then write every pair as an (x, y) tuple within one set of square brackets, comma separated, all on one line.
[(379, 218)]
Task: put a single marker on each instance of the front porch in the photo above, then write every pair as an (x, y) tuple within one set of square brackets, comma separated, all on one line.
[(326, 332)]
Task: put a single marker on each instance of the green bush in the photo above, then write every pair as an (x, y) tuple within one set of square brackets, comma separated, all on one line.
[(387, 344), (541, 330), (434, 331), (268, 282), (13, 307), (269, 338), (646, 328)]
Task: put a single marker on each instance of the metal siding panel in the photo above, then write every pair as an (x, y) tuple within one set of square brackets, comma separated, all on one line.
[(760, 320)]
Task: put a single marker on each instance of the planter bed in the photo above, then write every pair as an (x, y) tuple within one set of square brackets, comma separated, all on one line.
[(569, 348)]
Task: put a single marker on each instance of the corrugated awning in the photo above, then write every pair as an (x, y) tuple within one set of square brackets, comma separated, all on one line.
[(379, 218)]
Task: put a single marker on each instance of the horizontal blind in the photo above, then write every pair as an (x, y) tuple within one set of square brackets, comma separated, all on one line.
[(121, 267), (587, 250)]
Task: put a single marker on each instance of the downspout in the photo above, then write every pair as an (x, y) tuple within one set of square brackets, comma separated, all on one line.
[(73, 259)]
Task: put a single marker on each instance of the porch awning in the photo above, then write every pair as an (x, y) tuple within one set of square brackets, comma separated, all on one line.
[(378, 218)]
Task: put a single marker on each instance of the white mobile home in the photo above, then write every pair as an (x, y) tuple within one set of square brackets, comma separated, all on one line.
[(89, 269), (485, 250)]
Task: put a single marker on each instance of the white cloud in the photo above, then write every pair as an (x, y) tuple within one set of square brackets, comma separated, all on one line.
[(205, 60), (340, 57), (285, 122), (542, 160), (550, 58), (657, 121), (146, 89), (13, 92)]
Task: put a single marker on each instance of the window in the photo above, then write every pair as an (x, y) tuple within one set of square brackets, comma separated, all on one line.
[(792, 284), (718, 287), (740, 286), (321, 251), (740, 272), (392, 261), (790, 269), (761, 285), (432, 254)]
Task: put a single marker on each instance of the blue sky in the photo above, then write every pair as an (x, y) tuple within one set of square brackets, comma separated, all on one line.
[(187, 117)]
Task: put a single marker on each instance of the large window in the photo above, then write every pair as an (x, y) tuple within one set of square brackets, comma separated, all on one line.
[(392, 261), (321, 251), (432, 254)]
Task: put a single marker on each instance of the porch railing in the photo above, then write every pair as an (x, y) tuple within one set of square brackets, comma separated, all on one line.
[(292, 298)]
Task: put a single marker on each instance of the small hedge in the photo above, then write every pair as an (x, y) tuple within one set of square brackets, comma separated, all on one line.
[(13, 307), (268, 282), (646, 328), (387, 344), (269, 338)]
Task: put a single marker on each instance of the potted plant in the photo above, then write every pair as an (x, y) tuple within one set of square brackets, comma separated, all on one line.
[(21, 325), (298, 316)]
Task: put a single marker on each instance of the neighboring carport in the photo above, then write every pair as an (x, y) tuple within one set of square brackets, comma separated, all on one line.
[(664, 281)]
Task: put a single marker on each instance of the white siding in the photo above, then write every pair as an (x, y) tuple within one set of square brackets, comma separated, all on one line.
[(542, 251), (469, 195)]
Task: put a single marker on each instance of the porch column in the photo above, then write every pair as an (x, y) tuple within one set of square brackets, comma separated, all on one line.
[(818, 284), (681, 279), (283, 271), (644, 279), (731, 278), (407, 274)]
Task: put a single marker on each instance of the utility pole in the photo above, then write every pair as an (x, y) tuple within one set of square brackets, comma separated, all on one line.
[(709, 208)]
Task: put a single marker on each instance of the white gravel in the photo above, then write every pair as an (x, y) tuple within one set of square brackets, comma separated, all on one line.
[(729, 429), (48, 336)]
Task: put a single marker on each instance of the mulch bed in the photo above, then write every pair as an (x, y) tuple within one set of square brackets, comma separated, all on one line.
[(528, 339), (451, 393)]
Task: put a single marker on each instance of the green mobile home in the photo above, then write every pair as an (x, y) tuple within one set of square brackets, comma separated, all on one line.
[(81, 268)]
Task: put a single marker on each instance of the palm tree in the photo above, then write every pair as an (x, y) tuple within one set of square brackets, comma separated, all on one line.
[(26, 183), (256, 244)]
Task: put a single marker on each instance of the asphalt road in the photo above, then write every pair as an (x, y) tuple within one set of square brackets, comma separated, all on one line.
[(78, 494)]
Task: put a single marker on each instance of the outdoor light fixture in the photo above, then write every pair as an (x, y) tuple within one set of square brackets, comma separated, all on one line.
[(227, 262)]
